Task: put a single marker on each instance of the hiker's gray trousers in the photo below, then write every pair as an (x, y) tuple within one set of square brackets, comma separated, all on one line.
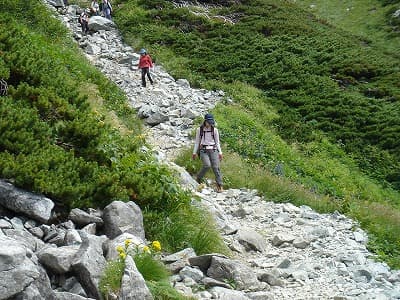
[(210, 159)]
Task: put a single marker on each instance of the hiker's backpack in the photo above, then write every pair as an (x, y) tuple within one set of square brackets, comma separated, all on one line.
[(201, 137)]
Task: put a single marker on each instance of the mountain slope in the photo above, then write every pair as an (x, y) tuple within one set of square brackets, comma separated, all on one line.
[(313, 100)]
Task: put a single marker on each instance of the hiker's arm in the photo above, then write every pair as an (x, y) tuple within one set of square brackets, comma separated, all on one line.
[(218, 144), (196, 143)]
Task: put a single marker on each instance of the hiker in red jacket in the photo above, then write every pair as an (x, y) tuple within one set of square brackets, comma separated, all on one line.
[(145, 64)]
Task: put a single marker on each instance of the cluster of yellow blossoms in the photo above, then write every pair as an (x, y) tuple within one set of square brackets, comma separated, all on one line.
[(155, 246)]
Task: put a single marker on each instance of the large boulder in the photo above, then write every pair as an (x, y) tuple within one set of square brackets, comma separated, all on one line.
[(17, 271), (89, 263), (120, 217), (133, 285), (34, 206), (38, 289), (97, 23)]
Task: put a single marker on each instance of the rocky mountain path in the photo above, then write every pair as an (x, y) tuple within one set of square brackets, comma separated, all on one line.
[(283, 251)]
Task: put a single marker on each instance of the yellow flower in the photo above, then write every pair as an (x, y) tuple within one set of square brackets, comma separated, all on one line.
[(156, 245), (127, 242), (122, 255), (120, 249), (146, 249)]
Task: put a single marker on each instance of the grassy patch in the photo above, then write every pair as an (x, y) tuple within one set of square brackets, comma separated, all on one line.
[(187, 227)]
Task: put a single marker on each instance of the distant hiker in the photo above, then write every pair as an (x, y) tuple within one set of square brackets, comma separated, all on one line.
[(207, 145), (84, 21), (107, 9), (145, 63), (94, 8)]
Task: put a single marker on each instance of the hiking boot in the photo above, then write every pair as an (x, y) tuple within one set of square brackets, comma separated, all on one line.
[(220, 189)]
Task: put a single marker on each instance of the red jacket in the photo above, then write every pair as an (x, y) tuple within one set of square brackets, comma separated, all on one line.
[(145, 61)]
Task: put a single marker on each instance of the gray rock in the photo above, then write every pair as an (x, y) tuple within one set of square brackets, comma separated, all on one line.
[(271, 279), (284, 264), (184, 254), (156, 119), (17, 271), (133, 286), (58, 260), (29, 224), (34, 206), (176, 266), (183, 83), (4, 224), (37, 231), (191, 272), (72, 237), (56, 239), (227, 294), (185, 179), (97, 23), (251, 239), (300, 275), (203, 261), (120, 217), (279, 239), (89, 263), (69, 296), (73, 286), (17, 223), (93, 49), (38, 289), (90, 228), (82, 218), (225, 269), (56, 3), (300, 243), (12, 253), (25, 238), (211, 282)]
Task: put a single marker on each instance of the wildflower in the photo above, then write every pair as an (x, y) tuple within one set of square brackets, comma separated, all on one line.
[(122, 255), (146, 249), (127, 242), (156, 245), (120, 249)]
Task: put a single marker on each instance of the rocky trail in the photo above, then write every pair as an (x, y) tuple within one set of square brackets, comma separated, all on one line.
[(280, 251)]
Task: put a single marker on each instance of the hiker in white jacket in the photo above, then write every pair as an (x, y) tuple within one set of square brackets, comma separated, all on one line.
[(207, 145)]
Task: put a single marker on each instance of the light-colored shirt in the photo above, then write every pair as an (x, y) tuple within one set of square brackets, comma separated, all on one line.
[(207, 139)]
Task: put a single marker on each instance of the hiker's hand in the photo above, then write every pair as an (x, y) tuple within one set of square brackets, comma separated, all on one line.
[(194, 155), (220, 156)]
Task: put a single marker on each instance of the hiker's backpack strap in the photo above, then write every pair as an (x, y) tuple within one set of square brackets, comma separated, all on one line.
[(201, 132), (213, 132)]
